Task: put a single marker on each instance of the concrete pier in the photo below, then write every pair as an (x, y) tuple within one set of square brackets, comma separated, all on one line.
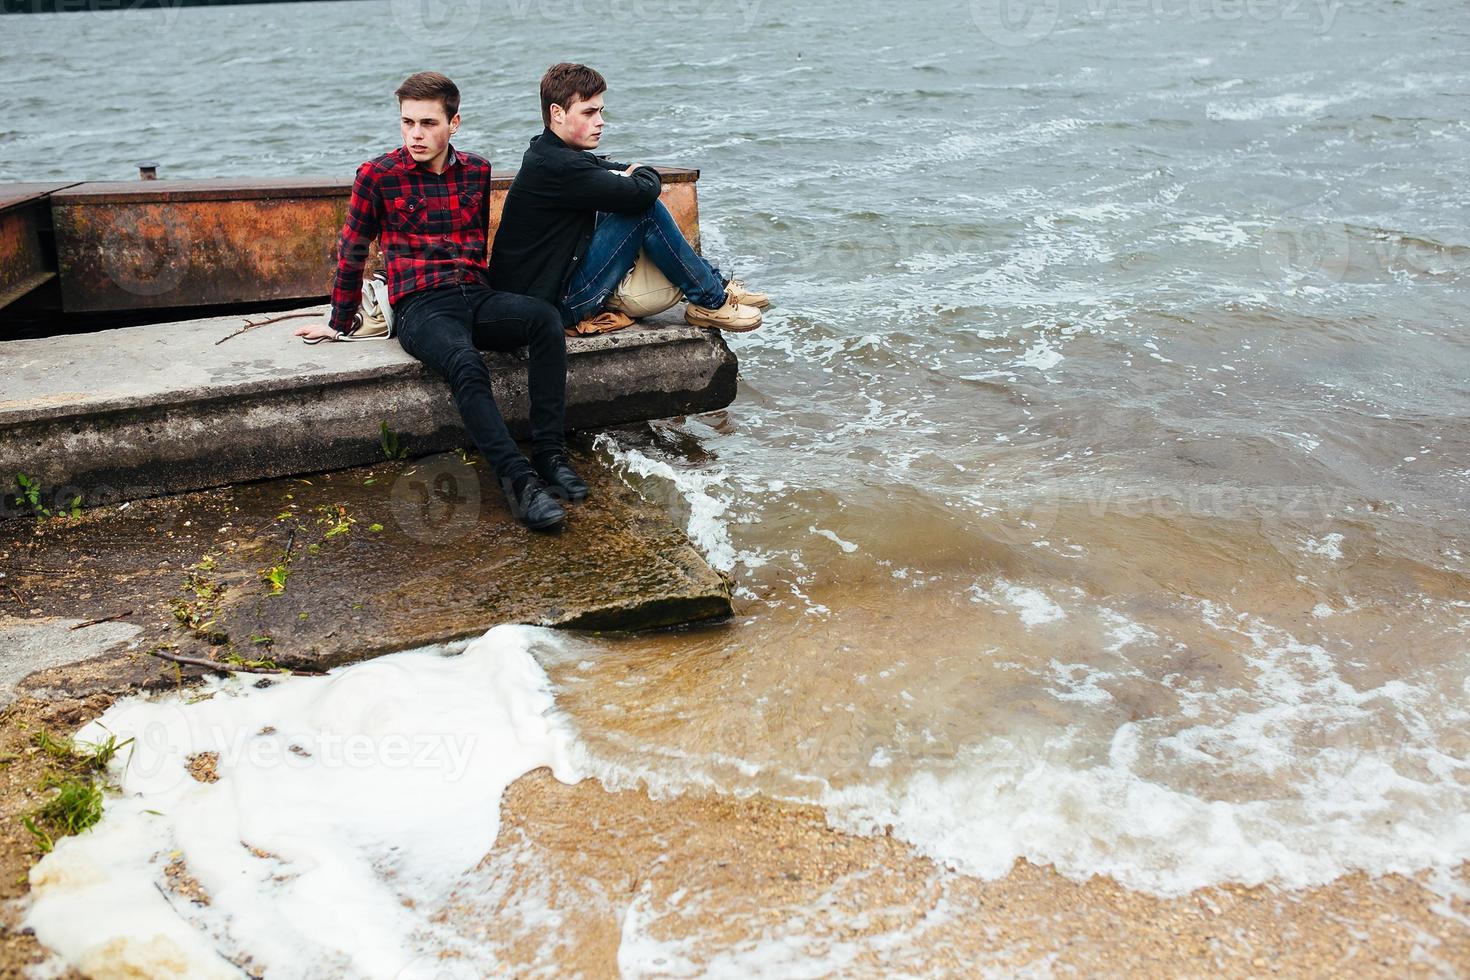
[(141, 411), (247, 497)]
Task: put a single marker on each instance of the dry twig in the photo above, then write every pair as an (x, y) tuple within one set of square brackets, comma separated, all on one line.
[(252, 324), (104, 619), (231, 668)]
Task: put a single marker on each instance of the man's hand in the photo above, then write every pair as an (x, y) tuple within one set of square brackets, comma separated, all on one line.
[(317, 332), (631, 167)]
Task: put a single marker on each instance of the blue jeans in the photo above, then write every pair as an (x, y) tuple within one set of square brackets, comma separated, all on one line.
[(614, 249), (447, 328)]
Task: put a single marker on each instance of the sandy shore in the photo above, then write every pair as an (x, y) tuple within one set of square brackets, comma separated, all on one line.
[(583, 881), (754, 883)]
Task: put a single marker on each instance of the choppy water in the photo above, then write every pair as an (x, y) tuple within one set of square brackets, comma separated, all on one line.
[(1098, 491)]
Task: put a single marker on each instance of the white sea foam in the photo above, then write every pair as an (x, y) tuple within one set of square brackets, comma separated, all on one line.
[(706, 526), (1032, 605), (837, 933), (1328, 546), (1040, 355), (846, 546), (1079, 682), (1291, 104), (345, 807), (1216, 231), (1296, 778)]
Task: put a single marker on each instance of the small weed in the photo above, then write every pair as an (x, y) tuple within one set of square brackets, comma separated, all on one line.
[(89, 756), (392, 448), (261, 640), (43, 839), (75, 807), (30, 496), (335, 519), (198, 616), (76, 803), (204, 590), (56, 748), (375, 528), (97, 756), (234, 659), (276, 576)]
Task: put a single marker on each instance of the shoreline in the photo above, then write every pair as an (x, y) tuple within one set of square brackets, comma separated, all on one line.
[(678, 886)]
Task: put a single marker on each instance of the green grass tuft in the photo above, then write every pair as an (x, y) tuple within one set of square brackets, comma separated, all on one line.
[(74, 807)]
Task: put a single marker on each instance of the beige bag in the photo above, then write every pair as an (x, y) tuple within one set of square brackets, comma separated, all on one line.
[(644, 291), (374, 319)]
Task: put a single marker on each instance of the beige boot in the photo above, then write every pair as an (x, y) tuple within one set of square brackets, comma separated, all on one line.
[(745, 296), (732, 316)]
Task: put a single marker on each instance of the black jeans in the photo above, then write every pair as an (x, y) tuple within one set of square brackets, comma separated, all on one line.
[(448, 327)]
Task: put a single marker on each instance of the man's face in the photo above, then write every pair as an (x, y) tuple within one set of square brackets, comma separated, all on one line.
[(426, 131), (580, 125)]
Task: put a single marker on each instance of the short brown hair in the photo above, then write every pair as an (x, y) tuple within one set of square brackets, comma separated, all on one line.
[(427, 85), (565, 83)]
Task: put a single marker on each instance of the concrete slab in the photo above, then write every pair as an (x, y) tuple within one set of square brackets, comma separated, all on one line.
[(139, 411), (374, 559), (28, 646)]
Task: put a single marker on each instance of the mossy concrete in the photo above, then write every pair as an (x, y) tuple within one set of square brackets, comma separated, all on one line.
[(376, 559)]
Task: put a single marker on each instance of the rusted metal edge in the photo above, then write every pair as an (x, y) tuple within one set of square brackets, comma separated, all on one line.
[(247, 189), (213, 189), (24, 287), (14, 195)]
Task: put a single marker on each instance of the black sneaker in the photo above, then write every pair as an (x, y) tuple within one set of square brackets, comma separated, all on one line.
[(560, 478), (532, 505)]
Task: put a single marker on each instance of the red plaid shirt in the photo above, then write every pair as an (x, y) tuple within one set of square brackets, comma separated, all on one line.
[(433, 227)]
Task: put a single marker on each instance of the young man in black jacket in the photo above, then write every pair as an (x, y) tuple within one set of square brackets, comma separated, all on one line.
[(573, 223)]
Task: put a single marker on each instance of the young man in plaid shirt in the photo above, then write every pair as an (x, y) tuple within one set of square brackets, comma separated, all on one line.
[(429, 203)]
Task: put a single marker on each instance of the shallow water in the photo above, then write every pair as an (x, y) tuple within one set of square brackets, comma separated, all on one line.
[(1098, 490)]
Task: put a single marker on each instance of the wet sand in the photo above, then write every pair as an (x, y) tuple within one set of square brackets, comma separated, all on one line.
[(720, 882), (582, 881)]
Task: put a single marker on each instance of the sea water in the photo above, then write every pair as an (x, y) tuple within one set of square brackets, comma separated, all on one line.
[(1098, 487)]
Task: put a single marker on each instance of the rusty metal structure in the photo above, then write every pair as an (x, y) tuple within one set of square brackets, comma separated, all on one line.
[(27, 250), (160, 245)]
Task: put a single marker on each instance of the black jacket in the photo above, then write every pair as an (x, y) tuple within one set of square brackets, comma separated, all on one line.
[(550, 212)]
